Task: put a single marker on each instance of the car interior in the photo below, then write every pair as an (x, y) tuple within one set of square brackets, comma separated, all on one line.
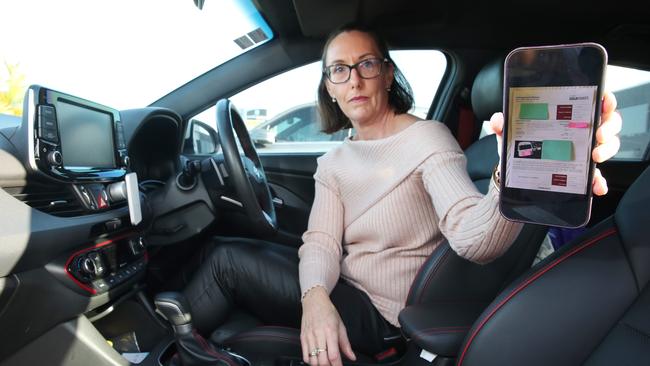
[(92, 261)]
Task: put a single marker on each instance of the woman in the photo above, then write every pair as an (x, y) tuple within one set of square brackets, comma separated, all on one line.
[(360, 253)]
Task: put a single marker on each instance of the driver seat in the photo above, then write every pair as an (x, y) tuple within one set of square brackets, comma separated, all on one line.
[(445, 277)]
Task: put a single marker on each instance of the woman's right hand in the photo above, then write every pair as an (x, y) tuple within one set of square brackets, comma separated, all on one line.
[(323, 329)]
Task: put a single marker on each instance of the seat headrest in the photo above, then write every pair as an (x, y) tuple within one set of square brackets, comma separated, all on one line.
[(633, 221), (487, 90)]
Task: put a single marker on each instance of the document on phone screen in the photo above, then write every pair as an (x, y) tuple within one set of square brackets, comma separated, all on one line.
[(549, 138)]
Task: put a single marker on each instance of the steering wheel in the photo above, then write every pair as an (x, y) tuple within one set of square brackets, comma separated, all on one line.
[(245, 170)]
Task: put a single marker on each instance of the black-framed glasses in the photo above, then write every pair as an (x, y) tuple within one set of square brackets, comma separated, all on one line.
[(369, 68)]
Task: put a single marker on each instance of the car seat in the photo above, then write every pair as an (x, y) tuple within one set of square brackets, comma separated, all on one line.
[(586, 304)]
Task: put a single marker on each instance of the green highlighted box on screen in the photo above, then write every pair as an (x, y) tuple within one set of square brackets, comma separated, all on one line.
[(533, 111), (557, 150)]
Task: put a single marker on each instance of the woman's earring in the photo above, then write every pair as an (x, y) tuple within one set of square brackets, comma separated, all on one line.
[(388, 89), (333, 100)]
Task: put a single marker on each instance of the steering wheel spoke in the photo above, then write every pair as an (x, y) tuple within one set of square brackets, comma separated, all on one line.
[(241, 172)]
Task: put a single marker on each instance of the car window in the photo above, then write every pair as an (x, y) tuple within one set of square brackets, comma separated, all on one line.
[(281, 113), (289, 126), (632, 90)]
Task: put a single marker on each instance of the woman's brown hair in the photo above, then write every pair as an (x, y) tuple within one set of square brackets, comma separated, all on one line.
[(400, 96)]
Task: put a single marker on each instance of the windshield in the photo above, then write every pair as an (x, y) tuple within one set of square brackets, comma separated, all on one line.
[(120, 53)]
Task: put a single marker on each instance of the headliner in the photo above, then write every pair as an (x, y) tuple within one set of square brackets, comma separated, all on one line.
[(624, 29)]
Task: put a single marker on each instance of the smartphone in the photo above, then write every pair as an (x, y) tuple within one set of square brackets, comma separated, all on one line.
[(551, 105)]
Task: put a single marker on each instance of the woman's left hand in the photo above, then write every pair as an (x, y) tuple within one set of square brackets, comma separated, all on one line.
[(607, 139)]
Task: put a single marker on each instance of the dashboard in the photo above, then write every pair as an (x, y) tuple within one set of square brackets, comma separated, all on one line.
[(68, 236)]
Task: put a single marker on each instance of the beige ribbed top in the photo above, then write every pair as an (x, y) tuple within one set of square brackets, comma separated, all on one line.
[(382, 206)]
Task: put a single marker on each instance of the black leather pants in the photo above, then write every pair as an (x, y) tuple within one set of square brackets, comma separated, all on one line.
[(262, 278)]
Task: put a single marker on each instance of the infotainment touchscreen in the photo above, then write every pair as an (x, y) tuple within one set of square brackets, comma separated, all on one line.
[(72, 139), (86, 136)]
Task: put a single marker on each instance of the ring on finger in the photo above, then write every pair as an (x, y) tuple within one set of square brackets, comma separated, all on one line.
[(314, 352)]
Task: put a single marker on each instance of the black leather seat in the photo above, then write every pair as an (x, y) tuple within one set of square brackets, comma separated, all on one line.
[(449, 292), (446, 282), (587, 304)]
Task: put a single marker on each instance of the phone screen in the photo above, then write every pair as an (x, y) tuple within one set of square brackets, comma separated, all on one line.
[(552, 100)]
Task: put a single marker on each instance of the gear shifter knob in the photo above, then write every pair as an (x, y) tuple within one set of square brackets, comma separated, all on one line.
[(175, 308)]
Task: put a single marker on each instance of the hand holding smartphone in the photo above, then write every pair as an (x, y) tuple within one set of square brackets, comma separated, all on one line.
[(552, 104)]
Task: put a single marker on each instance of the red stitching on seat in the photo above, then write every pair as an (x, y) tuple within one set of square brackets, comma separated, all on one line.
[(258, 336), (274, 332), (206, 347), (277, 327), (530, 280), (423, 334), (443, 330), (262, 338)]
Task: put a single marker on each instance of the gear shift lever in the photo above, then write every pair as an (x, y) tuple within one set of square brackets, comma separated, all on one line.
[(175, 309), (193, 349)]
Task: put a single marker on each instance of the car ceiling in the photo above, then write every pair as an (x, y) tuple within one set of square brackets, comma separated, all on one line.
[(622, 26)]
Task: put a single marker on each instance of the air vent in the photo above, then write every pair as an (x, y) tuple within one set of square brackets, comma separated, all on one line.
[(57, 200)]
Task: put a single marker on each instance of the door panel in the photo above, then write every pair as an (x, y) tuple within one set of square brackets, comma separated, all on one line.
[(291, 177)]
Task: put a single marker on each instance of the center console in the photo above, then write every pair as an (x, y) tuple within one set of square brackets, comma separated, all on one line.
[(83, 262), (108, 264), (71, 141)]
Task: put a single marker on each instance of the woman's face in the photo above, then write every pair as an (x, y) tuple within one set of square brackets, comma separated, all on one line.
[(361, 100)]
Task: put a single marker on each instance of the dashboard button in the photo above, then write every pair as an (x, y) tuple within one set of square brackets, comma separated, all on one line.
[(113, 225), (99, 264), (100, 285), (48, 123), (46, 117), (54, 158), (46, 111), (49, 134), (88, 266)]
